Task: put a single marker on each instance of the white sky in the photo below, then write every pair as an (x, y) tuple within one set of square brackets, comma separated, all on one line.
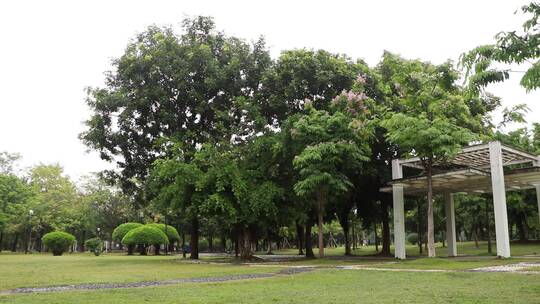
[(51, 50)]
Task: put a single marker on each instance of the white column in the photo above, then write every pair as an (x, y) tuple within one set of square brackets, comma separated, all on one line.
[(499, 199), (399, 212), (450, 224)]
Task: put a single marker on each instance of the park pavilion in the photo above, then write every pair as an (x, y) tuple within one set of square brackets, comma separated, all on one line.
[(485, 168)]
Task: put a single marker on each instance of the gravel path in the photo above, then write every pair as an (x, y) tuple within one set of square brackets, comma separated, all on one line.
[(288, 271), (519, 267)]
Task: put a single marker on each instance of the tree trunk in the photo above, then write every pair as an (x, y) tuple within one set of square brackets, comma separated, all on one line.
[(210, 243), (1, 240), (223, 244), (269, 243), (385, 228), (184, 245), (300, 238), (353, 235), (475, 235), (130, 249), (488, 232), (15, 241), (83, 239), (321, 197), (246, 252), (142, 249), (431, 226), (309, 240), (346, 235), (156, 249), (237, 246), (376, 238), (194, 240), (419, 226)]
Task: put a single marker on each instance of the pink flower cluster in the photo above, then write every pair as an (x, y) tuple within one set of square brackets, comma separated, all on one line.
[(361, 79), (354, 102)]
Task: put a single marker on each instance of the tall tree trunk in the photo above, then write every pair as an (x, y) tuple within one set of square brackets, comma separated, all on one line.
[(488, 232), (385, 228), (194, 240), (1, 240), (431, 226), (475, 231), (15, 241), (353, 235), (376, 238), (269, 243), (246, 252), (345, 225), (210, 243), (83, 239), (300, 238), (321, 197), (309, 240), (223, 244), (184, 245), (237, 245)]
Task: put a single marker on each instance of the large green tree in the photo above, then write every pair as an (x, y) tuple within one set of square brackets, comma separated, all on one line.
[(192, 88), (334, 142), (431, 123)]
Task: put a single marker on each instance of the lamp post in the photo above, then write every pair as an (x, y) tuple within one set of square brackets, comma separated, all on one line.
[(98, 233), (30, 213)]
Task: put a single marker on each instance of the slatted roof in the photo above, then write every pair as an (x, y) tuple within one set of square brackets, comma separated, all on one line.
[(477, 156), (468, 181), (469, 172)]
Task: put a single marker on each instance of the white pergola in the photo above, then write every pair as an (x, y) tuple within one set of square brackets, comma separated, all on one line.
[(476, 169)]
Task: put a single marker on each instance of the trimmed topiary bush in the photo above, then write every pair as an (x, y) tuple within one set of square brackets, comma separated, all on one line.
[(94, 245), (121, 231), (412, 238), (58, 242), (170, 231), (145, 236)]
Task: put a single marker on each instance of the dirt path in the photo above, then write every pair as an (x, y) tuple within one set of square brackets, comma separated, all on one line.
[(288, 271), (522, 268)]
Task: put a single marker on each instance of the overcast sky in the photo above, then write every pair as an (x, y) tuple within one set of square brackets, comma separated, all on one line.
[(51, 50)]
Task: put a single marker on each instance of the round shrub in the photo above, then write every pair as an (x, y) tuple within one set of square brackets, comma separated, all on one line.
[(145, 236), (58, 242), (121, 231), (94, 245), (170, 231), (412, 238)]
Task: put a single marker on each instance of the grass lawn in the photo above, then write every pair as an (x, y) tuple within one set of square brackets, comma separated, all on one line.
[(19, 270), (323, 286), (326, 284)]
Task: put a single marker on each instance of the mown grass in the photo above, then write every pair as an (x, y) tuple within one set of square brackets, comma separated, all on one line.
[(19, 270), (464, 248), (323, 286)]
